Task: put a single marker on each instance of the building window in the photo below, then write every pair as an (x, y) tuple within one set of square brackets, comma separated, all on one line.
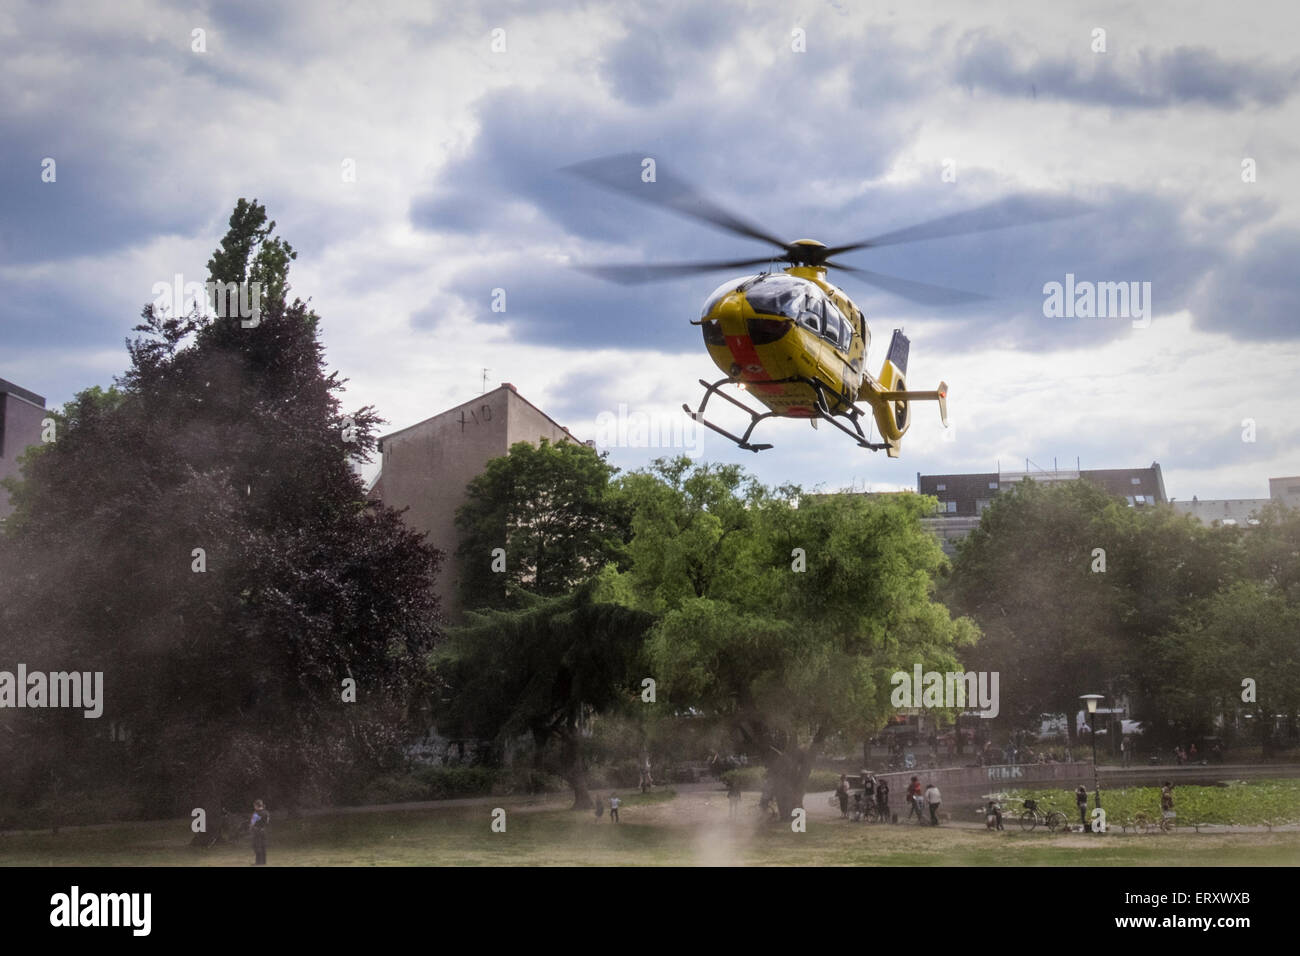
[(940, 487), (981, 504), (1135, 481), (993, 485), (950, 507), (1130, 501)]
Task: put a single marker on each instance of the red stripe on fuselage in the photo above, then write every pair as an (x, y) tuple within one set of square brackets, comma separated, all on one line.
[(746, 356)]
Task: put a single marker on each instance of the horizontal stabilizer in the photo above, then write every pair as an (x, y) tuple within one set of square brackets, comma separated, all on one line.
[(939, 395)]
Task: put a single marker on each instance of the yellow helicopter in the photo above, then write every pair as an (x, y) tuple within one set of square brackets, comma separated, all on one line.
[(789, 337)]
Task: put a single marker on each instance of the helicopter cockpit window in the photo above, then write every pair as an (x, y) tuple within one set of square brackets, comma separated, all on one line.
[(835, 325), (810, 313), (720, 293), (845, 338), (778, 295)]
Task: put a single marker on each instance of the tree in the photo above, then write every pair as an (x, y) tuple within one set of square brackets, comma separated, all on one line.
[(784, 648), (544, 669), (1240, 624), (550, 509), (198, 536), (1037, 577)]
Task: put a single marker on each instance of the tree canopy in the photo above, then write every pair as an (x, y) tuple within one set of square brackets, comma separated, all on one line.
[(784, 615), (197, 534), (550, 509)]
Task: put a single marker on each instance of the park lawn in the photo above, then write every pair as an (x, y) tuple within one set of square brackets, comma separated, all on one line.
[(687, 829), (1253, 803)]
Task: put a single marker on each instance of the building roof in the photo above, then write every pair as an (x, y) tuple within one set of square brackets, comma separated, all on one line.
[(7, 387), (969, 490), (501, 387)]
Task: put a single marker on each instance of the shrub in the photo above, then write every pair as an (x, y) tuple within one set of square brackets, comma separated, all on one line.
[(746, 778), (527, 780), (392, 788), (820, 780), (441, 783)]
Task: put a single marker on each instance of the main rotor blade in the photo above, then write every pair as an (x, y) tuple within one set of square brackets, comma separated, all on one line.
[(634, 274), (622, 174), (1013, 211), (921, 292)]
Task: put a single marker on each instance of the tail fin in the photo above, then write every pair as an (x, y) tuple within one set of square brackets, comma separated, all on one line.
[(894, 370)]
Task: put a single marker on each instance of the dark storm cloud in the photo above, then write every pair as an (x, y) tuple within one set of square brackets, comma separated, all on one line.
[(1255, 294), (1128, 237), (1155, 78), (665, 48), (92, 207), (114, 158), (789, 142)]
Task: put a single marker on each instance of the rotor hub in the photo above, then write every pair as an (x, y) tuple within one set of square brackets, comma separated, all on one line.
[(806, 252)]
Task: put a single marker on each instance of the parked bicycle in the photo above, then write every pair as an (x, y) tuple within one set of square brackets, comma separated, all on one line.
[(1032, 817)]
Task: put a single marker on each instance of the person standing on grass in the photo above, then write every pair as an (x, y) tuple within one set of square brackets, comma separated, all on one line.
[(257, 824), (914, 795), (1167, 803), (614, 804), (882, 800), (1081, 801), (933, 798), (842, 792), (600, 807)]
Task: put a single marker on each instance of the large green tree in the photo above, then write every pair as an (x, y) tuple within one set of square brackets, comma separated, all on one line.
[(1074, 592), (1233, 648), (550, 511), (545, 669), (198, 535), (1039, 577), (783, 615)]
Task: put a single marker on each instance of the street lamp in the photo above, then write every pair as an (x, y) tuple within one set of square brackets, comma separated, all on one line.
[(1091, 700)]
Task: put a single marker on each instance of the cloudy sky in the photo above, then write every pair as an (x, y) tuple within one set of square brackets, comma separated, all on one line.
[(457, 146)]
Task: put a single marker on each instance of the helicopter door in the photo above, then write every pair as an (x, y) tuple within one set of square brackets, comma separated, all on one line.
[(835, 333), (812, 318)]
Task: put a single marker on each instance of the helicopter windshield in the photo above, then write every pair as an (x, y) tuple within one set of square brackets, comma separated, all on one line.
[(721, 292), (782, 295)]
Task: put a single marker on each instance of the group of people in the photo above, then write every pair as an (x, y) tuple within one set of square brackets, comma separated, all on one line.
[(921, 798), (877, 792), (874, 793)]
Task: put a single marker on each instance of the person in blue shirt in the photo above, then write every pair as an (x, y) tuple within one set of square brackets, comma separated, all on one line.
[(258, 827)]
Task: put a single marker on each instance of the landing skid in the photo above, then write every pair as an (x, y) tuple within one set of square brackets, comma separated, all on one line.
[(821, 408)]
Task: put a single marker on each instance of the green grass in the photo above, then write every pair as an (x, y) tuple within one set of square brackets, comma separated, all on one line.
[(1255, 803), (656, 829)]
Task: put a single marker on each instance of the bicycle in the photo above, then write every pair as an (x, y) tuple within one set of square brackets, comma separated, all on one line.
[(1031, 817), (1145, 823)]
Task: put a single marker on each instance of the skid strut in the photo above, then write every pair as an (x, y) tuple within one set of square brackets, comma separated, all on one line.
[(821, 409), (754, 417)]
